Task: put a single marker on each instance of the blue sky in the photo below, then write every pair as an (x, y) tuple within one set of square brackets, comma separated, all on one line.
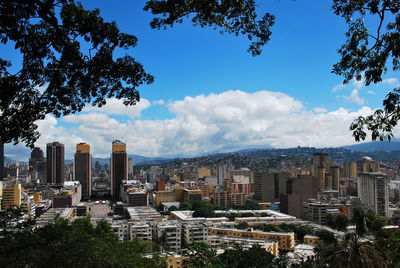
[(211, 95)]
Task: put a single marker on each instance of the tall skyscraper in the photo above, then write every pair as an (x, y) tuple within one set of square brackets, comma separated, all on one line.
[(321, 165), (83, 169), (373, 191), (37, 163), (2, 175), (119, 167), (269, 186), (55, 162)]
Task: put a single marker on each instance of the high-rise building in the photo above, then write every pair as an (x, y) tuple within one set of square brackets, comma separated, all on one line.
[(55, 163), (298, 190), (119, 167), (1, 161), (83, 169), (269, 186), (350, 169), (367, 164), (37, 163), (321, 165), (373, 191), (130, 168)]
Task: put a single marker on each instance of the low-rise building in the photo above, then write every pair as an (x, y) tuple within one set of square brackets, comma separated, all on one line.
[(167, 235), (140, 230), (286, 240), (194, 231), (269, 245), (121, 229)]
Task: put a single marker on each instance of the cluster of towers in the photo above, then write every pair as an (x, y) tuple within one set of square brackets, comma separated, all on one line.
[(51, 169)]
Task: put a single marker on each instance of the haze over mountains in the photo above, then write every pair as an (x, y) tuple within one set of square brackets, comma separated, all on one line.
[(375, 146)]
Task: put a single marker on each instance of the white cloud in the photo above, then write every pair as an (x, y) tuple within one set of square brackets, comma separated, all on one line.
[(358, 83), (116, 107), (320, 110), (227, 121), (391, 81), (371, 92), (338, 87), (158, 102), (354, 97)]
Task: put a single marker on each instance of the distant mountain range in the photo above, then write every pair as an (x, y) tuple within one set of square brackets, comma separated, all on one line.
[(381, 150), (375, 146)]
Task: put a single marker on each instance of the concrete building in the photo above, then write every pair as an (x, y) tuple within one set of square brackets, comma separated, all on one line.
[(317, 211), (270, 246), (367, 164), (38, 164), (298, 190), (194, 231), (11, 196), (137, 199), (167, 235), (160, 186), (350, 170), (83, 169), (223, 172), (119, 167), (121, 229), (2, 175), (192, 195), (130, 168), (140, 230), (245, 175), (373, 192), (69, 195), (285, 240), (12, 171), (53, 213), (203, 172), (269, 186), (211, 180), (55, 163)]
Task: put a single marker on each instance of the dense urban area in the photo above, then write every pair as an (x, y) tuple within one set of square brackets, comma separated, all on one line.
[(283, 205)]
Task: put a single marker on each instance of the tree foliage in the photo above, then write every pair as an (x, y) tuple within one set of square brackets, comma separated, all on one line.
[(368, 54), (74, 244), (202, 255), (237, 17), (68, 60)]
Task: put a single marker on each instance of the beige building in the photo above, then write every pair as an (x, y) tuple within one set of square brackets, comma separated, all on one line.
[(11, 196), (285, 240), (203, 172), (269, 245), (176, 261), (350, 170)]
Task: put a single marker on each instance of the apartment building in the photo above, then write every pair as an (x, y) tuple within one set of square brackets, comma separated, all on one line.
[(167, 235), (194, 231), (286, 240)]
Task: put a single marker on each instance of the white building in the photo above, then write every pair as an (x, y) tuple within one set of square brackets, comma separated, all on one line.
[(140, 230), (373, 191), (167, 235), (194, 231)]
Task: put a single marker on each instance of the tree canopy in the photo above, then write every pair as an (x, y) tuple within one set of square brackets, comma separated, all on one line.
[(68, 55)]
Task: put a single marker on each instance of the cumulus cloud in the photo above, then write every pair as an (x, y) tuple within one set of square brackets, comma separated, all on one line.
[(158, 102), (227, 121), (354, 97), (117, 107), (320, 110)]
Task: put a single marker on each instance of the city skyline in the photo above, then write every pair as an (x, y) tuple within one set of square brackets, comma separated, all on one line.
[(210, 95)]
